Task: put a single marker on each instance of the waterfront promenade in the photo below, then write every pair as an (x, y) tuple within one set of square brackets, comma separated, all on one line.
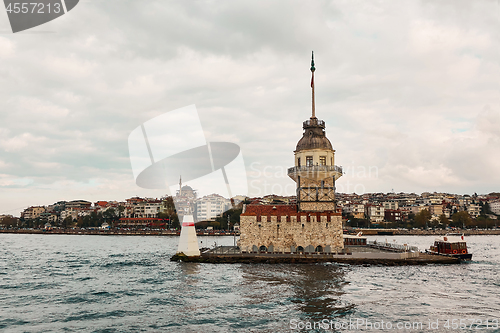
[(118, 232)]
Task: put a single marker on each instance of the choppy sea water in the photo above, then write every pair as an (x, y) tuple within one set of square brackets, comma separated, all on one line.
[(68, 283)]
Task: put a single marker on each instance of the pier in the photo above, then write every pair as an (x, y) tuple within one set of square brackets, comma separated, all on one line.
[(355, 255)]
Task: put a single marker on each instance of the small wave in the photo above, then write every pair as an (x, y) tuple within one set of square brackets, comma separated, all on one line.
[(126, 263), (5, 323), (75, 300), (85, 278), (151, 281), (95, 315)]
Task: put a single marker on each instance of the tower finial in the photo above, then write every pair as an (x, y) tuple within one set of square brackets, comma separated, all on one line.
[(312, 62), (312, 84)]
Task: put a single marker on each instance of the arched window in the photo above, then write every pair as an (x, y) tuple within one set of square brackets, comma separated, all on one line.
[(300, 249), (263, 249), (318, 248)]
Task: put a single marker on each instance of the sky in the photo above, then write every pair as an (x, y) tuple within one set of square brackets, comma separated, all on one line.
[(409, 91)]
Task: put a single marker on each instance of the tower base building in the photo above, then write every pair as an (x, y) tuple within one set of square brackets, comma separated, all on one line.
[(284, 228)]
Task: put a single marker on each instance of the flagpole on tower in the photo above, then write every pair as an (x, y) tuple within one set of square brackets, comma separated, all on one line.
[(312, 85)]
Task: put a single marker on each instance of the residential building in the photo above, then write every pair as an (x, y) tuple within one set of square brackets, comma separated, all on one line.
[(211, 206), (375, 213)]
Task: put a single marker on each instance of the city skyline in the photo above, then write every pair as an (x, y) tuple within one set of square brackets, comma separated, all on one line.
[(408, 92)]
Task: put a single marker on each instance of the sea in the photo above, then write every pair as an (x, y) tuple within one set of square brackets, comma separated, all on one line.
[(86, 283)]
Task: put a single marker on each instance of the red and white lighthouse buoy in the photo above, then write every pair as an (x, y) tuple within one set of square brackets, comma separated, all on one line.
[(188, 243)]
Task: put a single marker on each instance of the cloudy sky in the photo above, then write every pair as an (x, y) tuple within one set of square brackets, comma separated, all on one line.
[(409, 91)]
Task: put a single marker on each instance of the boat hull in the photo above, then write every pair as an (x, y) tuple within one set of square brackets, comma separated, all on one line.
[(461, 256)]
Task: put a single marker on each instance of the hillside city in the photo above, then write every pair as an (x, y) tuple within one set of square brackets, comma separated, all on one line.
[(369, 210)]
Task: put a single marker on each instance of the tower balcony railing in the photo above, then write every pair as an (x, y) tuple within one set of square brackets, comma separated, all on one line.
[(314, 122), (315, 168)]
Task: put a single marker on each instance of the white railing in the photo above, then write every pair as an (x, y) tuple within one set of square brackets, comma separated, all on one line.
[(393, 246), (315, 168)]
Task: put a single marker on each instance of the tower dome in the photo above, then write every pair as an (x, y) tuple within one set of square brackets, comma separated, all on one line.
[(314, 136)]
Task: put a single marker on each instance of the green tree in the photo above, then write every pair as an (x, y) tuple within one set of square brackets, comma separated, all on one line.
[(461, 219), (169, 212), (484, 222), (422, 218), (9, 222), (443, 220), (68, 221), (485, 208), (121, 209), (234, 217), (110, 216)]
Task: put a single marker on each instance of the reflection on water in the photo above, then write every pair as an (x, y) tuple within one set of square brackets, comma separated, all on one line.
[(189, 268), (319, 290), (313, 290)]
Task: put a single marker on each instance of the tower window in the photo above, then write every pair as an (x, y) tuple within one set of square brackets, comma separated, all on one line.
[(298, 161), (309, 161), (322, 160)]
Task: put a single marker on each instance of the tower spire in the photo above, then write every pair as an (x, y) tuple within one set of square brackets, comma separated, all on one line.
[(312, 85)]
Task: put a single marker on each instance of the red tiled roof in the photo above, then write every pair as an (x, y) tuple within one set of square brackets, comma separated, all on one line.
[(280, 210)]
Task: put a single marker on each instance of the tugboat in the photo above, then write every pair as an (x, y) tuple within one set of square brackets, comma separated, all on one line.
[(452, 245)]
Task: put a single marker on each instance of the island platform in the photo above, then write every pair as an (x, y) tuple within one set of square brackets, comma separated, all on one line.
[(353, 255)]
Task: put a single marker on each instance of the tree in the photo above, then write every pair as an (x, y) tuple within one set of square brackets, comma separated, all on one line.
[(169, 212), (9, 221), (461, 219), (422, 218), (121, 209), (67, 221), (485, 208), (109, 215), (443, 220), (484, 222), (234, 217)]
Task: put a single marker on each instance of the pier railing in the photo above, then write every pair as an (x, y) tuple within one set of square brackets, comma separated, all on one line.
[(314, 122), (392, 246)]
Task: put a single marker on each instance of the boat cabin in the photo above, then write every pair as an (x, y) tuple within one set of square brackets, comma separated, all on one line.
[(450, 245), (354, 240)]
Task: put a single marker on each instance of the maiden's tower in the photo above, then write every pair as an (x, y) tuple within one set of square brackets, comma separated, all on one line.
[(313, 224)]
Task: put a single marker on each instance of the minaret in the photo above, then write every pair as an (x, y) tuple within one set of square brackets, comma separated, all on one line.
[(180, 185), (315, 172)]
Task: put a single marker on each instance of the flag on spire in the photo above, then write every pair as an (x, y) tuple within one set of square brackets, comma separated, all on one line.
[(312, 69)]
